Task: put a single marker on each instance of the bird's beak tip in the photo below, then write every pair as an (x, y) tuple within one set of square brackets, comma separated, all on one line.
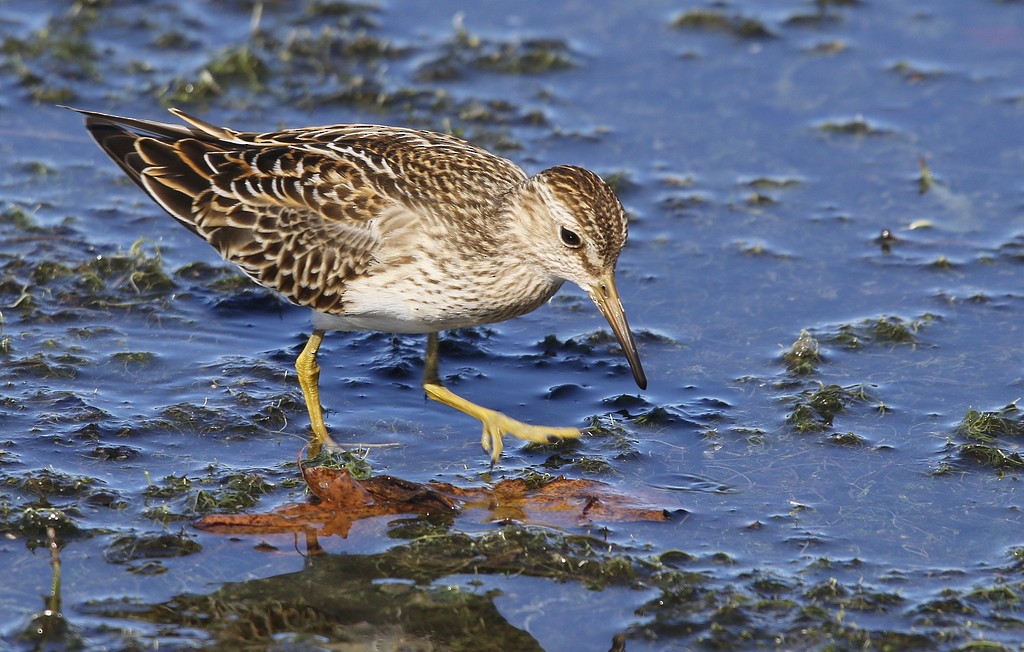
[(606, 297)]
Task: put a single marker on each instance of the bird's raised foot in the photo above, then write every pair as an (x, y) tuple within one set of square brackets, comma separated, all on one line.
[(496, 425)]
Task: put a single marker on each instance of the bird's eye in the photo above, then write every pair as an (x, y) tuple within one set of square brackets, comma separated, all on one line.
[(570, 238)]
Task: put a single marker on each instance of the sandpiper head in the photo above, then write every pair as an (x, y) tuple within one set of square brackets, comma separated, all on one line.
[(577, 228)]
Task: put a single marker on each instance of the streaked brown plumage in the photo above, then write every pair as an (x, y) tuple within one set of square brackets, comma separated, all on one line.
[(384, 228)]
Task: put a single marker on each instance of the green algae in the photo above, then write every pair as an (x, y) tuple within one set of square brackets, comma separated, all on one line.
[(465, 52), (988, 426), (855, 126), (803, 356), (739, 26), (993, 439), (815, 410), (887, 329), (696, 609)]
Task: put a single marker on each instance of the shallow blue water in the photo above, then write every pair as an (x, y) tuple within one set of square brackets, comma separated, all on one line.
[(717, 280)]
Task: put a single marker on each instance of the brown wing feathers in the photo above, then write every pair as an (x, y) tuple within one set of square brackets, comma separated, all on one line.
[(285, 216)]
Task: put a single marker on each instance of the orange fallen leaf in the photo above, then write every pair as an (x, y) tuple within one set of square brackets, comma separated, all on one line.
[(561, 501), (343, 500)]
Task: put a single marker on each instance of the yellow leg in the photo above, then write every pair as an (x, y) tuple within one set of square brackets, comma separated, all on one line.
[(495, 424), (309, 379)]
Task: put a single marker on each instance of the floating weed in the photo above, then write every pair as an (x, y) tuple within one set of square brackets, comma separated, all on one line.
[(139, 270), (535, 479), (56, 54), (677, 181), (37, 168), (753, 436), (943, 263), (771, 183), (186, 417), (164, 513), (50, 484), (466, 51), (614, 432), (761, 249), (994, 438), (828, 591), (492, 111), (991, 457), (238, 65), (816, 410), (175, 40), (594, 466), (883, 330), (913, 73), (43, 365), (855, 126), (711, 20), (803, 357), (621, 181), (354, 461), (233, 67), (760, 199), (655, 417), (220, 278), (683, 203), (180, 91), (925, 179), (20, 219), (133, 361), (47, 272), (949, 602), (33, 524), (184, 497), (828, 47), (894, 330), (528, 57), (350, 14), (999, 594), (559, 446), (252, 484), (862, 599), (209, 501), (172, 485), (987, 427), (848, 439)]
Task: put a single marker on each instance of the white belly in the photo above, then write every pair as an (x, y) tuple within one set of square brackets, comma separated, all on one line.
[(396, 304)]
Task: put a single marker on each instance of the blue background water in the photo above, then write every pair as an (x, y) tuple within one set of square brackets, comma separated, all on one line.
[(754, 219)]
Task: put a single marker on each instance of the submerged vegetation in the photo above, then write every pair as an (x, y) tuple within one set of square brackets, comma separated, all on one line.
[(994, 438), (807, 425)]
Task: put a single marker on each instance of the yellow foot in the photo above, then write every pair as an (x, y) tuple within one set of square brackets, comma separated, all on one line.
[(496, 425), (321, 442)]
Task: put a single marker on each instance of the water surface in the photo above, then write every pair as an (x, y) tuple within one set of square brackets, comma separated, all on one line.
[(761, 149)]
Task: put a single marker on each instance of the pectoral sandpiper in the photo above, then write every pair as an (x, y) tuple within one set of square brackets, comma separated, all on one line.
[(386, 229)]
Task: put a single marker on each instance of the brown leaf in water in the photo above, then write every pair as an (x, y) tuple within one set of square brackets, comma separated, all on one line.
[(561, 502), (343, 500)]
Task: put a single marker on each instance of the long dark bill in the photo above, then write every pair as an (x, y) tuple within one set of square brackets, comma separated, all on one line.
[(606, 296)]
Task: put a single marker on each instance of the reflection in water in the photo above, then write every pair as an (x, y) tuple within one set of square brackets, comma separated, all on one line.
[(48, 629), (393, 599)]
